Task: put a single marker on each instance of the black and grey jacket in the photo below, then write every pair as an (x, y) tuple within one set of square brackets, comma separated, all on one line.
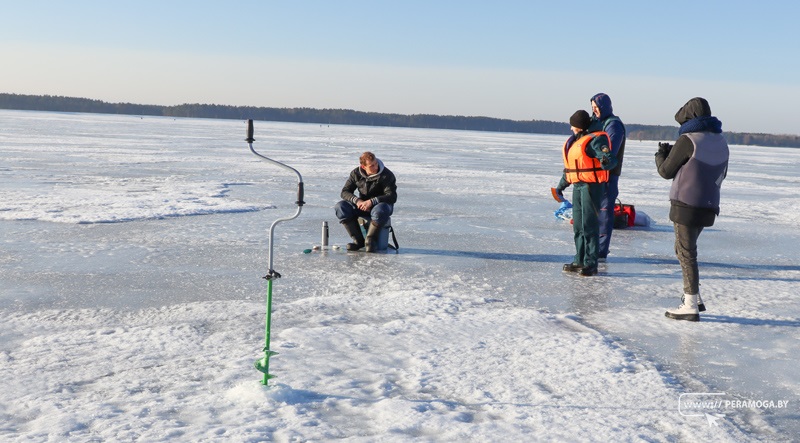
[(380, 187), (697, 164)]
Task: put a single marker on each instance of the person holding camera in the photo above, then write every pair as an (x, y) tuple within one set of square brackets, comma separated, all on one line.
[(587, 160), (697, 164)]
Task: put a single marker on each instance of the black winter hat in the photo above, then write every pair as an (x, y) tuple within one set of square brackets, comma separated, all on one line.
[(580, 119)]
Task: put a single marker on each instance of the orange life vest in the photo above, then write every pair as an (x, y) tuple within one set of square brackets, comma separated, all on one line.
[(579, 167)]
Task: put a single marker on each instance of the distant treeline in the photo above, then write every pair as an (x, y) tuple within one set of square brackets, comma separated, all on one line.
[(351, 117)]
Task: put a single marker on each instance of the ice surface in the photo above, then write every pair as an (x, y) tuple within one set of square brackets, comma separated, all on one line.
[(132, 304)]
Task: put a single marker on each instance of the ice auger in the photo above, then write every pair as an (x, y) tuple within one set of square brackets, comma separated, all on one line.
[(262, 364)]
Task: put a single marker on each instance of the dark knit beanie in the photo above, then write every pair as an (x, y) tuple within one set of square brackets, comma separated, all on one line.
[(580, 119)]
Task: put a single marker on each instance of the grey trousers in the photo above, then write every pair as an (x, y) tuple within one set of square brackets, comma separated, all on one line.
[(686, 251)]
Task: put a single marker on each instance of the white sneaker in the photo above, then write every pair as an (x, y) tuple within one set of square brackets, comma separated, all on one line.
[(687, 310)]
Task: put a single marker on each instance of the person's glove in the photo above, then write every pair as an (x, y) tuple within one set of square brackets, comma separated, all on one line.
[(560, 194), (605, 158), (664, 149)]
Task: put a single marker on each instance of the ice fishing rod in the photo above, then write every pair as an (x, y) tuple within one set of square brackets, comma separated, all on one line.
[(262, 364)]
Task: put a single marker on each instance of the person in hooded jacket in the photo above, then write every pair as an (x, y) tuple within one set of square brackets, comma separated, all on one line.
[(603, 119), (377, 194), (587, 160), (697, 164)]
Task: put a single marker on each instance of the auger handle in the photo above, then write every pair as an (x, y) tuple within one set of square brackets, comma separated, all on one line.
[(300, 201), (250, 138)]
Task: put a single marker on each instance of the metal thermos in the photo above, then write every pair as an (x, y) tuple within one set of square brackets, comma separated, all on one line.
[(324, 235)]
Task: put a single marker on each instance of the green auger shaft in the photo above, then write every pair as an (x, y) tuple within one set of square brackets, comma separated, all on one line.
[(263, 364)]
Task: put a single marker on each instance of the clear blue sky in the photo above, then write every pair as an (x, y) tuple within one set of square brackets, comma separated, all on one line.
[(507, 59)]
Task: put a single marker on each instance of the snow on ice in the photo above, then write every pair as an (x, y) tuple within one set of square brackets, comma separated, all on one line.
[(126, 319)]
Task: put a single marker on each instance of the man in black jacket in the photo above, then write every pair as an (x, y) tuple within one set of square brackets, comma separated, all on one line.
[(697, 165), (377, 194)]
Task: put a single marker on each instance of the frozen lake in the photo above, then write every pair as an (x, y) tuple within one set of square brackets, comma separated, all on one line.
[(107, 216)]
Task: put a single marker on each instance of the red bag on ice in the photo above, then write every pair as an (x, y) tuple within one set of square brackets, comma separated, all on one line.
[(624, 215)]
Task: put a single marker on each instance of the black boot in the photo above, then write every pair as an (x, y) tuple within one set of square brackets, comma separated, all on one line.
[(354, 231), (372, 237)]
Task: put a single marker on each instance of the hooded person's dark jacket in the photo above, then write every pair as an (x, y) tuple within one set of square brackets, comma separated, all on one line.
[(379, 187), (612, 125), (697, 164)]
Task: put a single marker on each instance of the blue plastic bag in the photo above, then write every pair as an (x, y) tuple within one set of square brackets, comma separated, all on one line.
[(564, 211)]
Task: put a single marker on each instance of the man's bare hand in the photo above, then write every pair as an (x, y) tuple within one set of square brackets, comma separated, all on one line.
[(364, 205)]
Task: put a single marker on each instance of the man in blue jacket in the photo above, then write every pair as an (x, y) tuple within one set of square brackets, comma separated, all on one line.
[(603, 119)]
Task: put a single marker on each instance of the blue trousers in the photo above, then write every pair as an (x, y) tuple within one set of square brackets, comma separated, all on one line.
[(606, 215), (380, 213)]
